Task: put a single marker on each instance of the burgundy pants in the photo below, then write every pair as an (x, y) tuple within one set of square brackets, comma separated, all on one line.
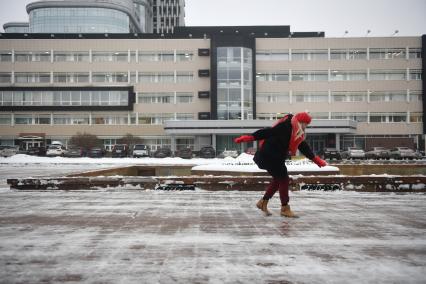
[(280, 184)]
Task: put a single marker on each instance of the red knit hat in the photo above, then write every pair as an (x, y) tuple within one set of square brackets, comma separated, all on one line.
[(303, 117)]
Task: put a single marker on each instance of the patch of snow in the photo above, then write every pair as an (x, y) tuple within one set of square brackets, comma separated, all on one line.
[(245, 163)]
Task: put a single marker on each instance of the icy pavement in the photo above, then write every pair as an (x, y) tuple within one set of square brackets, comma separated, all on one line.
[(134, 236)]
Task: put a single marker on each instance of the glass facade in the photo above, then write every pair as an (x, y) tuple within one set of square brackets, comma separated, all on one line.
[(64, 98), (79, 20), (234, 83)]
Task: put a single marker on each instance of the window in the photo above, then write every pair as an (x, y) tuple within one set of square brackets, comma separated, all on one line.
[(5, 119), (5, 78), (184, 77), (349, 97), (384, 117), (388, 96), (26, 78), (110, 77), (343, 75), (310, 97), (388, 75), (319, 115), (28, 56), (184, 116), (414, 53), (166, 77), (70, 56), (387, 53), (156, 98), (163, 56), (70, 119), (23, 119), (118, 56), (356, 116), (273, 97), (118, 119), (348, 54), (416, 96), (42, 119), (273, 76), (184, 56), (184, 98), (71, 77), (416, 117), (272, 55), (300, 54), (298, 75), (415, 74), (5, 56), (155, 118)]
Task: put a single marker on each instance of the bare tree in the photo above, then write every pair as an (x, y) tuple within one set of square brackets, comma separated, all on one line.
[(86, 140), (129, 139)]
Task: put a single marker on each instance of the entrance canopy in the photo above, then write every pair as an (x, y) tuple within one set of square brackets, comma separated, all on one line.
[(205, 127)]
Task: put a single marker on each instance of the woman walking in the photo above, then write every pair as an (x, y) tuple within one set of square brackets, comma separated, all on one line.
[(276, 144)]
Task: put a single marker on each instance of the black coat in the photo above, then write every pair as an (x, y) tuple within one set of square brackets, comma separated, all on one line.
[(272, 154)]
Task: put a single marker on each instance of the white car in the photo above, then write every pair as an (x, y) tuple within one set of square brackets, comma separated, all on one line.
[(353, 153), (229, 153), (7, 151), (55, 150), (140, 150)]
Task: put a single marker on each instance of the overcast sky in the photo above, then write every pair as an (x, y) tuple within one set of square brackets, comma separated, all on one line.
[(333, 17)]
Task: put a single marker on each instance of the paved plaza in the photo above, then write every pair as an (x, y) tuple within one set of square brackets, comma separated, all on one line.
[(134, 236)]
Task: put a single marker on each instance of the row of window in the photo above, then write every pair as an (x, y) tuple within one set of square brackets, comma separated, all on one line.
[(96, 56), (64, 98), (339, 75), (381, 117), (117, 98), (96, 77), (339, 54), (160, 118), (92, 119), (339, 96), (89, 98), (165, 98)]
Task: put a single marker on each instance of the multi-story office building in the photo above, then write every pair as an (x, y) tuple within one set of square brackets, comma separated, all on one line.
[(101, 16), (168, 14), (16, 27), (206, 85), (82, 16)]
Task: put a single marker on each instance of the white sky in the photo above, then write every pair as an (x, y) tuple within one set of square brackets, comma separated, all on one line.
[(333, 17)]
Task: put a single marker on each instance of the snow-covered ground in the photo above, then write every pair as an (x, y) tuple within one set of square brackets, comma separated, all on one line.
[(243, 163), (114, 236)]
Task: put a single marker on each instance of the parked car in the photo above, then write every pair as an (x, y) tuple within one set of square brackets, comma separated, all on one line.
[(207, 152), (420, 154), (163, 153), (402, 153), (229, 153), (96, 152), (184, 153), (8, 151), (37, 151), (55, 150), (378, 153), (120, 150), (353, 153), (140, 150), (330, 153), (75, 151)]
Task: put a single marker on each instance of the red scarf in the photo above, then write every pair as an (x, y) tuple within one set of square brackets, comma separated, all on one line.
[(297, 134)]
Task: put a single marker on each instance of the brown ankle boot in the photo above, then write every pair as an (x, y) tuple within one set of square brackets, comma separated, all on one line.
[(263, 205), (286, 212)]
